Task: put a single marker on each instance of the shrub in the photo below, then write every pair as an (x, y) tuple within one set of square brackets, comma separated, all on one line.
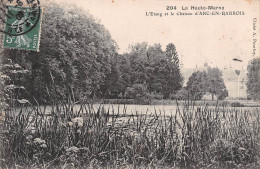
[(139, 93), (237, 104), (181, 94), (223, 94), (155, 95), (223, 103)]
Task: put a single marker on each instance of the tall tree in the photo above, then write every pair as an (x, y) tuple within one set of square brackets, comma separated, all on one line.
[(114, 84), (202, 82), (175, 79), (156, 63), (197, 84), (253, 79), (74, 55), (215, 83), (137, 58)]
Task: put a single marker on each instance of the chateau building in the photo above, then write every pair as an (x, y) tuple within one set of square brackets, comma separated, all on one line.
[(235, 80)]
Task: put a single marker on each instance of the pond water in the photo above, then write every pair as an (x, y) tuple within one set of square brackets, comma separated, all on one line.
[(122, 109), (151, 109), (137, 109)]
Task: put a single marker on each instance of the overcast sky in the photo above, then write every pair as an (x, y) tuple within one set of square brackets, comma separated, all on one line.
[(214, 39)]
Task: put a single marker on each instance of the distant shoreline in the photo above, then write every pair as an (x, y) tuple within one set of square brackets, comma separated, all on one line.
[(228, 103)]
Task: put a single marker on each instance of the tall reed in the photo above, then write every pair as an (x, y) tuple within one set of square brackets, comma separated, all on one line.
[(76, 136)]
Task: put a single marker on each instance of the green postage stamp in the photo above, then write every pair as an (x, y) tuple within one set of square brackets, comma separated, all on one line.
[(22, 28)]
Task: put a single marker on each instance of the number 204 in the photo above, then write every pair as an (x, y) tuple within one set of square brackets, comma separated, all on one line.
[(170, 7)]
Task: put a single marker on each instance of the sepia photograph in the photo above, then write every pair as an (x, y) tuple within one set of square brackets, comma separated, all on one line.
[(130, 84)]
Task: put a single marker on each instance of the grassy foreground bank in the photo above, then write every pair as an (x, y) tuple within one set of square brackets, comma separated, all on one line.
[(193, 137)]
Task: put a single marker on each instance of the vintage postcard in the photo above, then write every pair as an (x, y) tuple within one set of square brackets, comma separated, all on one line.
[(130, 84)]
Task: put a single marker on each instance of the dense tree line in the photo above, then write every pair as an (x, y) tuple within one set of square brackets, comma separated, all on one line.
[(150, 68), (74, 56), (79, 59), (253, 76)]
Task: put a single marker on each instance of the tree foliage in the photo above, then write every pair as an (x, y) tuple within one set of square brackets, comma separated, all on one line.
[(215, 83), (182, 94), (207, 81), (147, 65), (175, 79), (74, 55), (253, 79), (157, 69), (78, 59), (197, 84), (139, 93)]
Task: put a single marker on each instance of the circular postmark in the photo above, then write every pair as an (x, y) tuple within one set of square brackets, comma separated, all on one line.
[(21, 20)]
